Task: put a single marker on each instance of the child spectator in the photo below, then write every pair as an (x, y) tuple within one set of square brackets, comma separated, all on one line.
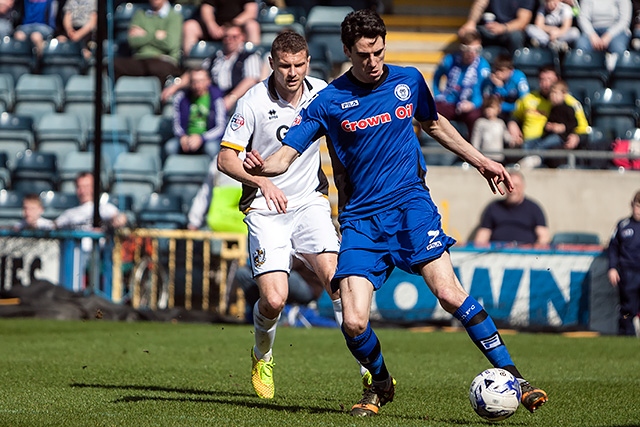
[(560, 123), (32, 211), (79, 22), (491, 133), (38, 23), (507, 83), (553, 26), (624, 269)]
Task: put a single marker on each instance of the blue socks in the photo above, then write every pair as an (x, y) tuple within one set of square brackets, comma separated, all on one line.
[(483, 333), (366, 349)]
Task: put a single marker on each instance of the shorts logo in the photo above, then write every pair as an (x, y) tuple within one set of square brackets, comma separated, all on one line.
[(259, 257), (349, 104), (236, 122), (433, 234), (402, 92), (491, 342)]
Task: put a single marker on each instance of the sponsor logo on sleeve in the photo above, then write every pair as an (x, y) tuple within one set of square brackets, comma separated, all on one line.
[(237, 121)]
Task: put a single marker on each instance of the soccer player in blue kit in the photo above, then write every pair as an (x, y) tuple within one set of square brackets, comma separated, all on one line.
[(387, 217)]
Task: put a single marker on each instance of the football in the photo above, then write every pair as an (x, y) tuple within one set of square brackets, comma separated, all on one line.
[(495, 394)]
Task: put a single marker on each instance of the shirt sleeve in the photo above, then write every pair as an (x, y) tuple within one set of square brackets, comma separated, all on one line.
[(240, 128), (308, 126)]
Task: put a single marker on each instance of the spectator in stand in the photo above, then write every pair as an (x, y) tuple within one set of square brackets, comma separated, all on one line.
[(81, 217), (635, 25), (32, 211), (234, 70), (513, 219), (532, 110), (490, 132), (214, 14), (465, 72), (561, 122), (199, 117), (624, 269), (553, 26), (507, 83), (605, 26), (499, 22), (38, 23), (154, 37), (8, 16), (216, 203), (79, 23)]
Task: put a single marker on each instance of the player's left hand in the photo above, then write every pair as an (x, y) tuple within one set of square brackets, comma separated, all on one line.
[(495, 174)]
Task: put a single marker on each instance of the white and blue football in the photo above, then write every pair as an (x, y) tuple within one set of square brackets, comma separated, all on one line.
[(495, 394)]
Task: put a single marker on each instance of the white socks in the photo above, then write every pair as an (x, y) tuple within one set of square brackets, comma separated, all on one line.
[(265, 334)]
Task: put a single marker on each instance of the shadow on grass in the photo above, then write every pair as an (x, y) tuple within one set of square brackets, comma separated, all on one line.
[(216, 397)]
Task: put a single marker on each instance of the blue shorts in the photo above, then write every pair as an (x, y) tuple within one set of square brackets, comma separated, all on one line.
[(404, 237)]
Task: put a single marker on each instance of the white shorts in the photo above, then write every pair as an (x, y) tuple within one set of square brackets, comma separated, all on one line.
[(274, 237)]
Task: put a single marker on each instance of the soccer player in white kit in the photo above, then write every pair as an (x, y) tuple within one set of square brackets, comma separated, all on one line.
[(286, 215)]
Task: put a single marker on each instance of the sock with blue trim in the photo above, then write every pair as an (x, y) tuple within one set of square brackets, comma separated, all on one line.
[(485, 335)]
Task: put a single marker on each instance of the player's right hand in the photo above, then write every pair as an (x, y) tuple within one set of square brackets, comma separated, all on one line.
[(274, 197)]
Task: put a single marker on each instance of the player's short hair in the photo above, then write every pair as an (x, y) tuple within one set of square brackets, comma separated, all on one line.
[(636, 198), (502, 62), (288, 41), (362, 23)]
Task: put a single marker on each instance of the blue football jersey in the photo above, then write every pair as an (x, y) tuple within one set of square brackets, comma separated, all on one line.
[(376, 155)]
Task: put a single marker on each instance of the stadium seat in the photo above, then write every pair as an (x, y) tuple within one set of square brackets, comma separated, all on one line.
[(34, 172), (187, 11), (10, 207), (584, 72), (273, 20), (62, 58), (80, 161), (320, 64), (17, 134), (55, 202), (124, 202), (162, 211), (184, 174), (614, 111), (200, 51), (323, 26), (7, 92), (36, 88), (60, 133), (122, 17), (16, 57), (575, 237), (490, 52), (117, 137), (530, 59), (137, 174), (152, 132), (79, 98), (626, 74)]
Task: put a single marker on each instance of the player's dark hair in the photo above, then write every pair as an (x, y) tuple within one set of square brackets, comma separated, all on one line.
[(362, 23), (289, 41)]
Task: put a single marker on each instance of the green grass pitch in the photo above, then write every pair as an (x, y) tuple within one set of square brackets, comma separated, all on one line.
[(99, 373)]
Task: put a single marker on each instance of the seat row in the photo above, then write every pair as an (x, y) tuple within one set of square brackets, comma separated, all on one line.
[(158, 210), (134, 174)]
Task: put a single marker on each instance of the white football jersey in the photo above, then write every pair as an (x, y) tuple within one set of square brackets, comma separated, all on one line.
[(261, 120)]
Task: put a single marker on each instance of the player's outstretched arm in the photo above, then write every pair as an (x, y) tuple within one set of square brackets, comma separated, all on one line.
[(444, 132), (276, 164)]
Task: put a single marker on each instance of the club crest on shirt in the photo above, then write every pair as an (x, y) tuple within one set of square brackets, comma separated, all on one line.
[(237, 121), (297, 120), (259, 257), (349, 104), (402, 92)]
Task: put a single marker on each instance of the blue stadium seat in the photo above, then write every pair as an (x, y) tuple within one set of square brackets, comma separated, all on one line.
[(323, 26), (584, 72), (614, 111), (184, 174), (60, 133), (575, 237), (530, 59), (63, 59), (34, 172), (163, 211), (7, 91), (10, 207), (137, 174), (626, 73), (16, 57), (55, 202), (17, 134), (320, 64)]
